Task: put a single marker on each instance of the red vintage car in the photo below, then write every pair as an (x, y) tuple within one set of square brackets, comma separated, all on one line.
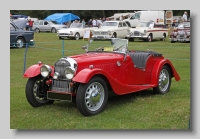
[(181, 33), (88, 78)]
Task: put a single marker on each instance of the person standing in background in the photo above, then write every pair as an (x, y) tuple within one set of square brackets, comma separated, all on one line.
[(27, 26), (185, 16), (83, 22), (30, 24)]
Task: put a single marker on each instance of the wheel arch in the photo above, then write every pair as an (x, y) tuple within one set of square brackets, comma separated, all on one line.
[(34, 71), (157, 68)]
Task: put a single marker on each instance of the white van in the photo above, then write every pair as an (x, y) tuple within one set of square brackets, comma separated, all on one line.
[(159, 17)]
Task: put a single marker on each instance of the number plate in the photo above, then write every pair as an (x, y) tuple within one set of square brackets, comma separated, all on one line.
[(59, 96)]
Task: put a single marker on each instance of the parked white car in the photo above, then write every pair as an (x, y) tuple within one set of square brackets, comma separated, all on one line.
[(147, 31), (76, 31), (111, 29), (46, 26)]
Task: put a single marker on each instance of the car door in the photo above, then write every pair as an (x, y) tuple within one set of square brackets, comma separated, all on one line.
[(120, 30)]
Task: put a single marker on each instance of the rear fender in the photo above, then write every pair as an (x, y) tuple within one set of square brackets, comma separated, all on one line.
[(157, 68), (86, 74), (34, 70)]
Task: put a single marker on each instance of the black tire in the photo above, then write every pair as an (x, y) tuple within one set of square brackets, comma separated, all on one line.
[(164, 37), (60, 38), (131, 39), (77, 36), (53, 30), (164, 81), (20, 42), (34, 97), (92, 97), (114, 35), (37, 30), (149, 38)]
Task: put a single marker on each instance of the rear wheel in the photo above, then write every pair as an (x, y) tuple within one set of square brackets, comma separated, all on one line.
[(20, 42), (91, 98), (164, 81), (36, 92), (164, 37), (37, 30)]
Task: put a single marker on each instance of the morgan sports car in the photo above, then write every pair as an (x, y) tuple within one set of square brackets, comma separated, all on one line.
[(87, 79)]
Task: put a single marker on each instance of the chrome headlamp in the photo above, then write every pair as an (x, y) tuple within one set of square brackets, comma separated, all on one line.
[(71, 32), (145, 31), (69, 72), (45, 70)]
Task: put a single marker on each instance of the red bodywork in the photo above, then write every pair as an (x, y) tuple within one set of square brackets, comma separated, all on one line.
[(117, 70)]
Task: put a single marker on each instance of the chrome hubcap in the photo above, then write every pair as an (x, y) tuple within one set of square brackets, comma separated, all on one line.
[(164, 80), (19, 43), (94, 96)]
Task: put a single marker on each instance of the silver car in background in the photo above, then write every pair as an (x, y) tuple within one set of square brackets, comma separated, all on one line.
[(47, 26)]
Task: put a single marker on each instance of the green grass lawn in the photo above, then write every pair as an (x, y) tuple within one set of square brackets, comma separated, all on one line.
[(142, 110)]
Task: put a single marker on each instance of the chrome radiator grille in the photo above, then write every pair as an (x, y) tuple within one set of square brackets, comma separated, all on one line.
[(61, 85), (100, 33)]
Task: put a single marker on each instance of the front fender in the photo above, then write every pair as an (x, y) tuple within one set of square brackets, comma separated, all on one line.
[(157, 68), (34, 70), (86, 74)]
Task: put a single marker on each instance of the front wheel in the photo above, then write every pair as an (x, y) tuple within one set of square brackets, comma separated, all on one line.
[(36, 91), (53, 30), (92, 97), (149, 39), (164, 81), (76, 36)]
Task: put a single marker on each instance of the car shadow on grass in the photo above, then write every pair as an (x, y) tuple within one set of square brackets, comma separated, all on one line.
[(116, 100)]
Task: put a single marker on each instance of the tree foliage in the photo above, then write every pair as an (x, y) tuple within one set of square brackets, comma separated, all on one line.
[(83, 14)]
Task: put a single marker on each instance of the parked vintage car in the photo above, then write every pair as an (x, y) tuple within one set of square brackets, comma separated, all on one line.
[(89, 78), (47, 26), (18, 36), (111, 29), (76, 31), (180, 33), (147, 31)]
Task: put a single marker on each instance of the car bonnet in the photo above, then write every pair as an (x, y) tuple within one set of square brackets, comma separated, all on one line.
[(20, 23)]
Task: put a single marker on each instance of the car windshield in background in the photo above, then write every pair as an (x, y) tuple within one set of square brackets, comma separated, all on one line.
[(76, 25), (184, 25), (114, 45), (54, 22), (109, 24)]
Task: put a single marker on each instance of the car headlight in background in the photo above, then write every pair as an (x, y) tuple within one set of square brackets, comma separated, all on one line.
[(71, 32), (69, 72), (45, 70), (109, 32), (145, 31)]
